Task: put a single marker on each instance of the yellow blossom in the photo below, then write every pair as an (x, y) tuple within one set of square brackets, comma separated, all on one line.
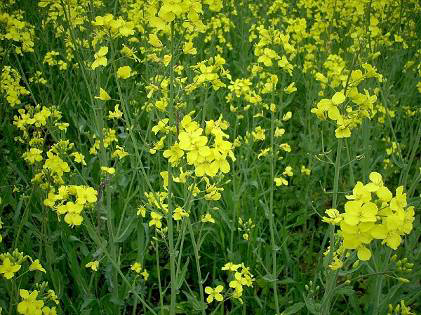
[(93, 265)]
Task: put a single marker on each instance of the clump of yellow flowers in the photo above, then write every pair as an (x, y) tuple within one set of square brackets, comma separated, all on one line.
[(348, 106), (239, 276), (10, 265), (70, 201), (371, 213), (193, 143)]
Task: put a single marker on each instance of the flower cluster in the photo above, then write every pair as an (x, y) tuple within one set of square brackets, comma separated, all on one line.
[(35, 302), (137, 268), (367, 218), (348, 106), (246, 227), (240, 277), (15, 29), (70, 201), (207, 160), (189, 11), (10, 86)]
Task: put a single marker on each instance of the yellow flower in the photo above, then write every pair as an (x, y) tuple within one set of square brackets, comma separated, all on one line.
[(145, 275), (333, 216), (141, 211), (279, 132), (342, 132), (155, 219), (8, 268), (189, 49), (207, 218), (85, 194), (290, 88), (287, 116), (214, 294), (305, 171), (174, 154), (103, 95), (154, 41), (79, 158), (33, 155), (360, 192), (136, 267), (288, 171), (109, 170), (179, 213), (279, 181), (336, 263), (124, 72), (30, 305), (49, 311), (363, 253), (231, 267), (93, 265), (338, 98), (285, 147), (36, 265), (356, 212), (100, 58), (116, 114)]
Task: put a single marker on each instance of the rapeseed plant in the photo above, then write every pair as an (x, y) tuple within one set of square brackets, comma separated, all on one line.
[(186, 133)]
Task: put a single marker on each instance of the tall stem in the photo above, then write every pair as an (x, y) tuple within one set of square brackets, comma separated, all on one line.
[(170, 205), (271, 220), (331, 277), (196, 257)]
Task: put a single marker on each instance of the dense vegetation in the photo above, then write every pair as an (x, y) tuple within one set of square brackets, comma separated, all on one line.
[(210, 157)]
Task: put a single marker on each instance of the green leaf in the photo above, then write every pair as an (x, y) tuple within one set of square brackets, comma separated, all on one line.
[(293, 309)]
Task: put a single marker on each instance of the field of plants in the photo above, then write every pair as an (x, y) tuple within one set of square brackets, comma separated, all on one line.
[(210, 157)]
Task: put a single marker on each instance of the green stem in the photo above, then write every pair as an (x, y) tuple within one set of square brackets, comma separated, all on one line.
[(161, 295), (170, 205), (379, 281), (331, 277), (197, 260), (271, 214)]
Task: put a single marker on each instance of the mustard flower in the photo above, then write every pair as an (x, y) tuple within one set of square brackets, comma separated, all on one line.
[(33, 155), (109, 170), (79, 157), (100, 58), (103, 95), (231, 266), (8, 268), (141, 211), (136, 267), (290, 88), (287, 116), (207, 218), (155, 220), (124, 72), (214, 294), (336, 263), (333, 217), (36, 265), (279, 181), (49, 311), (145, 275), (116, 114), (155, 41), (189, 49), (179, 214), (93, 265), (30, 305), (285, 147)]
